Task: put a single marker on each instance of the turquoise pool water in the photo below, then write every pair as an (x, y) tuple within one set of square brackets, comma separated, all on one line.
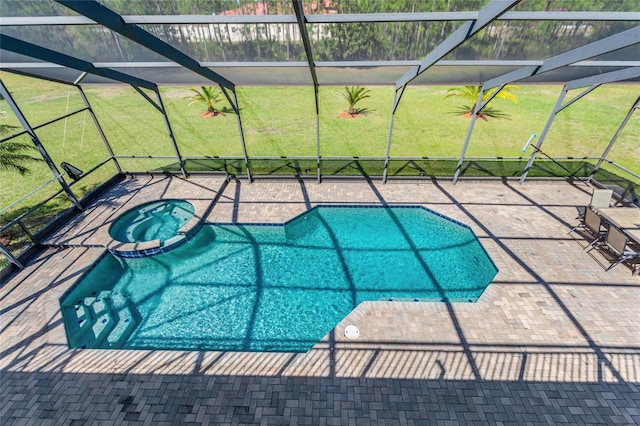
[(274, 288), (158, 220)]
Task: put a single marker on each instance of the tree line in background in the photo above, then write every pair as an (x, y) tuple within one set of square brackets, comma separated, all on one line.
[(331, 42)]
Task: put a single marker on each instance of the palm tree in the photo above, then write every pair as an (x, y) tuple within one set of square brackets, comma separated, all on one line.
[(207, 95), (353, 95), (13, 155), (470, 94)]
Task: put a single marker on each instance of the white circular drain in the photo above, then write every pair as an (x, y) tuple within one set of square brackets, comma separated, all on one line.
[(351, 332)]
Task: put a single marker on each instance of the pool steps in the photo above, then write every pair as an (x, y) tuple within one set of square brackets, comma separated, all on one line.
[(108, 317)]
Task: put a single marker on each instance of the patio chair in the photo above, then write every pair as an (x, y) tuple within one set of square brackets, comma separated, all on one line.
[(616, 242), (601, 198), (592, 223)]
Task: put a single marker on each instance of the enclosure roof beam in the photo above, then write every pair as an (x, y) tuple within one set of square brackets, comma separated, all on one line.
[(150, 20), (334, 64), (108, 18), (34, 75), (600, 47), (208, 19), (485, 16), (510, 77), (569, 16), (28, 49), (81, 77), (609, 77), (597, 65), (470, 15), (325, 18), (14, 21)]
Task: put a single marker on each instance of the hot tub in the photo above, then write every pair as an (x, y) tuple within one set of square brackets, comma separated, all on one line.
[(158, 221)]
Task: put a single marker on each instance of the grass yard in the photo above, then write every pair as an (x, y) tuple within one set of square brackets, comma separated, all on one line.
[(281, 121)]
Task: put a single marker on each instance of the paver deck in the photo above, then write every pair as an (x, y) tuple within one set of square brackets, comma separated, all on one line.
[(554, 339)]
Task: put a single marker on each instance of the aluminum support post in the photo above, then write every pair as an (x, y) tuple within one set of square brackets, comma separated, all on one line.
[(301, 19), (10, 257), (236, 108), (97, 124), (318, 156), (476, 111), (552, 116), (636, 105), (170, 130), (396, 101)]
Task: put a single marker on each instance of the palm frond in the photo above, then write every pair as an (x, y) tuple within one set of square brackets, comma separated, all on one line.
[(487, 112), (207, 95), (353, 95), (470, 94), (493, 113), (13, 155), (5, 129), (507, 93)]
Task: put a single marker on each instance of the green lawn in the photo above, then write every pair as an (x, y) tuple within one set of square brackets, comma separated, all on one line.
[(281, 121)]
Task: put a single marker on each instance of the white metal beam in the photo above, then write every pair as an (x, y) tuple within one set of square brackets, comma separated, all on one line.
[(485, 16), (591, 50)]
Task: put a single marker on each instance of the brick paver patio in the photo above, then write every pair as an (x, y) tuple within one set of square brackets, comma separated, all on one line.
[(554, 339)]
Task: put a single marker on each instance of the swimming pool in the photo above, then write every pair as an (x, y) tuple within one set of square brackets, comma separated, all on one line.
[(274, 288)]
